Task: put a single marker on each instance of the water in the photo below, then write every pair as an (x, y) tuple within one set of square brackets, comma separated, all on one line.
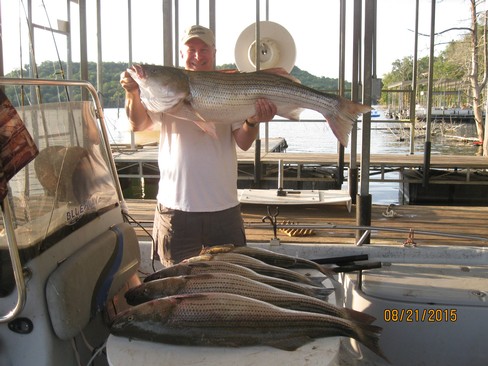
[(313, 135)]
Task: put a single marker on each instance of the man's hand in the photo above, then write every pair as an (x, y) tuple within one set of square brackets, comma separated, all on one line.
[(128, 83), (136, 112), (265, 111)]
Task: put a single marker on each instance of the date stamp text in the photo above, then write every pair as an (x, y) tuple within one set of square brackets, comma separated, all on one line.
[(434, 315)]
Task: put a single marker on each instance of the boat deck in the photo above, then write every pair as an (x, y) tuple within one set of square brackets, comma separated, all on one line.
[(463, 226)]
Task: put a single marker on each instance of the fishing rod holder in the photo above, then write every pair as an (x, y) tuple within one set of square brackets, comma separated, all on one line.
[(272, 218)]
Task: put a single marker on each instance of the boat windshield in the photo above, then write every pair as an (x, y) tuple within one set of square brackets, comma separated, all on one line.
[(67, 184)]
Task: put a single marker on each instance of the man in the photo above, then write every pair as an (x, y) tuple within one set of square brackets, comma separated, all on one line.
[(197, 197)]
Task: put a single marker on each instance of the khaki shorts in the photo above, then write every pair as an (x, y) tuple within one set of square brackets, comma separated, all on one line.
[(179, 235)]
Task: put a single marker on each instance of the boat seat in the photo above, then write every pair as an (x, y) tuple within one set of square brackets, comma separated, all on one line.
[(91, 277)]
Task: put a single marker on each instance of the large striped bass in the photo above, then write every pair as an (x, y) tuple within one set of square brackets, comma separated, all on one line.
[(268, 256), (207, 97), (221, 319), (256, 265), (239, 285), (196, 268)]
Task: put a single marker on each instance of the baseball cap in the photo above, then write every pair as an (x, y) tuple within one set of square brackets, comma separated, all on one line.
[(197, 31)]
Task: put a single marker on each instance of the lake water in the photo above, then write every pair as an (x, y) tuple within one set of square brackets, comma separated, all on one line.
[(314, 135)]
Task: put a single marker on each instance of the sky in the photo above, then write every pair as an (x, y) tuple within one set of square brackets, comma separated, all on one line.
[(313, 25)]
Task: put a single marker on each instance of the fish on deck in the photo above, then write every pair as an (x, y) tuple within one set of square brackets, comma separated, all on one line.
[(216, 266), (222, 319), (239, 285), (208, 97), (270, 257), (258, 266)]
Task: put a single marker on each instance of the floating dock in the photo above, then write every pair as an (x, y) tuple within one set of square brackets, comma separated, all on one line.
[(320, 171)]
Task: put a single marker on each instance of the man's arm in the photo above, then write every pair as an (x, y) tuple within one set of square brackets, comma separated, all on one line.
[(245, 136), (137, 114)]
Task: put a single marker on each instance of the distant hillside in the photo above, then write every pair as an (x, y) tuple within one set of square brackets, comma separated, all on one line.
[(320, 83), (113, 95)]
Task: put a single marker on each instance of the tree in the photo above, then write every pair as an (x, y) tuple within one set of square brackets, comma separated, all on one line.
[(466, 59), (477, 75)]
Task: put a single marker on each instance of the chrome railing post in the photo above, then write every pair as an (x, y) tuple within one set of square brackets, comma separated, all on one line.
[(16, 265)]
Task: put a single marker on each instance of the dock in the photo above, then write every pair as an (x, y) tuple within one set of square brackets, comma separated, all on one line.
[(408, 225), (318, 168), (142, 160)]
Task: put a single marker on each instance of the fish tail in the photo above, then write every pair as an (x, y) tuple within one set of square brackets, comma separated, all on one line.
[(316, 281), (322, 293), (325, 271), (358, 316), (342, 120), (368, 335)]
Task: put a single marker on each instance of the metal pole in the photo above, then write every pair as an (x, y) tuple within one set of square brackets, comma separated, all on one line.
[(212, 15), (99, 49), (363, 210), (197, 11), (355, 90), (342, 46), (69, 64), (342, 58), (280, 174), (212, 22), (32, 54), (83, 46), (168, 33), (373, 42), (257, 30), (129, 21), (177, 34), (257, 143), (428, 144), (413, 94), (2, 72), (266, 125), (368, 66)]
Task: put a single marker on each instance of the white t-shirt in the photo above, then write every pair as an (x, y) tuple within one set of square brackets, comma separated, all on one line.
[(198, 172)]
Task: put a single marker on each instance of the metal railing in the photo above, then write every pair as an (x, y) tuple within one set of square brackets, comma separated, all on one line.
[(6, 210)]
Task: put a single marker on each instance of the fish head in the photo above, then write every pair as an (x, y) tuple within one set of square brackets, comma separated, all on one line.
[(162, 87), (198, 258), (179, 269), (155, 289), (143, 317), (139, 294), (225, 248)]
